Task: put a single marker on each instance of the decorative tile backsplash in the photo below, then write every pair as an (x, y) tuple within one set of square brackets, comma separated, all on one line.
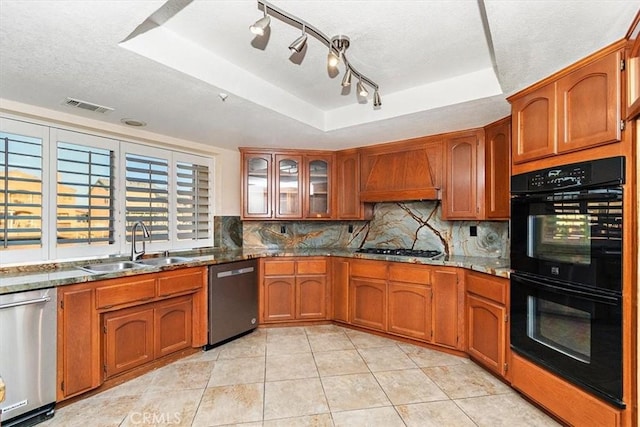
[(416, 225)]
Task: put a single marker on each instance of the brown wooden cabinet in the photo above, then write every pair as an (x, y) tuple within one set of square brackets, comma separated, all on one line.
[(497, 170), (410, 301), (487, 320), (534, 124), (368, 294), (318, 180), (577, 108), (108, 327), (347, 194), (589, 102), (257, 185), (633, 68), (369, 302), (78, 350), (287, 184), (173, 326), (293, 289), (448, 321), (128, 339), (463, 173), (340, 289), (279, 298)]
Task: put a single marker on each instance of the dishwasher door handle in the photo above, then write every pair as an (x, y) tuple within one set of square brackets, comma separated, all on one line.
[(235, 272), (26, 302)]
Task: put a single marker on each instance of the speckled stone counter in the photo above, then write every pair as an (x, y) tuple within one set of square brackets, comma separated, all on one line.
[(23, 278)]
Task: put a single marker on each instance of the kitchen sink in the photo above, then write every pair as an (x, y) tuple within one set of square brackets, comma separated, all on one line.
[(163, 260), (111, 267)]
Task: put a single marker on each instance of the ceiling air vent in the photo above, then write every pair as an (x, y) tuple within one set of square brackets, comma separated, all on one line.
[(87, 106)]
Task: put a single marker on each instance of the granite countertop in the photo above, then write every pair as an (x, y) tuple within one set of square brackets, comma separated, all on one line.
[(31, 277)]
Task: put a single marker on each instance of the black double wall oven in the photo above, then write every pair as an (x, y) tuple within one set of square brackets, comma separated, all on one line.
[(566, 280)]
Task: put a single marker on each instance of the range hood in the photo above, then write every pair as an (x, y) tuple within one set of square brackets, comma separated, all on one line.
[(408, 172)]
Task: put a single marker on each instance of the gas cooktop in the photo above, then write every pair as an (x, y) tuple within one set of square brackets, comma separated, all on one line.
[(401, 252)]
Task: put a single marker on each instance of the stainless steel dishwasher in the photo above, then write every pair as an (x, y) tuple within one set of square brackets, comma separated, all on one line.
[(233, 300), (28, 356)]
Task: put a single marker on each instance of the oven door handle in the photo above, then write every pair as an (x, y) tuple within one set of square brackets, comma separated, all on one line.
[(561, 288)]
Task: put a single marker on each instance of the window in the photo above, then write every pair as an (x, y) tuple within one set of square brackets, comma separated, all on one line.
[(21, 190), (147, 192), (84, 191), (67, 194), (193, 216)]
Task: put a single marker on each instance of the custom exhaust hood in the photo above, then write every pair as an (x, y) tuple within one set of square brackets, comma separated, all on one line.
[(403, 172)]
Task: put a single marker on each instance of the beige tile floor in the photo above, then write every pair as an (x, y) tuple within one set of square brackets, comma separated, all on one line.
[(309, 376)]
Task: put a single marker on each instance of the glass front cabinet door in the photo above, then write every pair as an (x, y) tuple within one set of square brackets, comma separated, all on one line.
[(286, 185), (318, 187), (258, 186), (288, 195)]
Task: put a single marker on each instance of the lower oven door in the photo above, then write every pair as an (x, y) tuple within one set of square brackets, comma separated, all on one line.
[(574, 333)]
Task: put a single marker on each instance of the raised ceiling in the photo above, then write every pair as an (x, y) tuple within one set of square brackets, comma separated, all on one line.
[(440, 65)]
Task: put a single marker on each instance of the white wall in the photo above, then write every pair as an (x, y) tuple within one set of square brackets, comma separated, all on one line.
[(227, 162)]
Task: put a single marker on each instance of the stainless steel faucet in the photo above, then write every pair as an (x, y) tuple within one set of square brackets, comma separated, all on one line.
[(145, 233)]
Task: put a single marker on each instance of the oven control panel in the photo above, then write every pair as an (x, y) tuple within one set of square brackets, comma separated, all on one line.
[(564, 176), (594, 173)]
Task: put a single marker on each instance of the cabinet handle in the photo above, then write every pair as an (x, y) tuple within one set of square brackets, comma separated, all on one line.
[(179, 292)]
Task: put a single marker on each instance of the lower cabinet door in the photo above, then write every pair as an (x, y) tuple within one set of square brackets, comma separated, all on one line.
[(173, 326), (410, 310), (445, 307), (368, 299), (128, 339), (486, 332), (311, 301), (279, 298)]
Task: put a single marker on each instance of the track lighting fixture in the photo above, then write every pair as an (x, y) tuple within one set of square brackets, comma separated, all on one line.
[(362, 91), (337, 46), (332, 59), (346, 80), (299, 43), (261, 24), (376, 99)]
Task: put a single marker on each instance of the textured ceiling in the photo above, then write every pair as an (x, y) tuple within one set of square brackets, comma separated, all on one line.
[(440, 65)]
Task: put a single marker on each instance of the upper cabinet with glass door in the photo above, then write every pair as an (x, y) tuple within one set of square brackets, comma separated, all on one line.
[(257, 185), (286, 184), (318, 186)]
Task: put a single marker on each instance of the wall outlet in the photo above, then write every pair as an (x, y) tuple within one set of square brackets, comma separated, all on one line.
[(350, 228), (283, 229), (473, 230)]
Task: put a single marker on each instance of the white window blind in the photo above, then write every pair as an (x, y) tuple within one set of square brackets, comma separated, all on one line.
[(192, 204), (147, 194), (85, 195), (20, 191)]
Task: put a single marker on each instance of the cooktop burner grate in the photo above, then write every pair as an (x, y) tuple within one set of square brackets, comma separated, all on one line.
[(401, 252)]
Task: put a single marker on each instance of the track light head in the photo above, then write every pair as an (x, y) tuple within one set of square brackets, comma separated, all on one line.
[(332, 59), (362, 91), (299, 43), (261, 24), (377, 102), (346, 80)]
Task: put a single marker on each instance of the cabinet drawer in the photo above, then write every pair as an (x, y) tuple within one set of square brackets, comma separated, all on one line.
[(409, 274), (122, 293), (279, 268), (373, 269), (493, 288), (173, 283), (316, 266)]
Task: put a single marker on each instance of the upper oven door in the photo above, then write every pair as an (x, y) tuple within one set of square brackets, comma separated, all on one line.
[(574, 236)]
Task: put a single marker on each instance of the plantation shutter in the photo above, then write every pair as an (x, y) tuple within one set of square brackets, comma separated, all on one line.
[(147, 195), (193, 204)]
